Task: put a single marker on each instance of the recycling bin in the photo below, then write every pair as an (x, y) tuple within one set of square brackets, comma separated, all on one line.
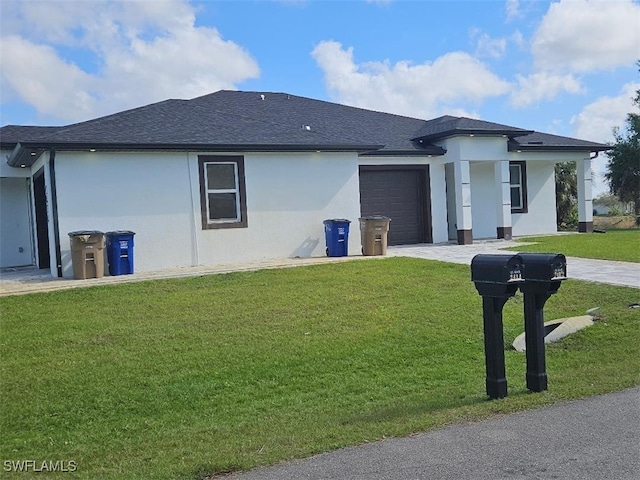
[(373, 234), (120, 252), (336, 232), (87, 254)]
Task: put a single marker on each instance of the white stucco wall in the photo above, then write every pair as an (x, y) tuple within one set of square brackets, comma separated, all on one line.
[(541, 199), (157, 196), (484, 199), (439, 222), (16, 247), (288, 198)]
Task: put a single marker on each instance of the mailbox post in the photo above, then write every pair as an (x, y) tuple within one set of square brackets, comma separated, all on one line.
[(496, 278), (543, 273)]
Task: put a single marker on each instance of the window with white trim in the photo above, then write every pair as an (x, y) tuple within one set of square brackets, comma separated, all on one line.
[(518, 181), (222, 192)]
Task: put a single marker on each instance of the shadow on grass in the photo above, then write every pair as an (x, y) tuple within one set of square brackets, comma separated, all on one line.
[(212, 472), (473, 407)]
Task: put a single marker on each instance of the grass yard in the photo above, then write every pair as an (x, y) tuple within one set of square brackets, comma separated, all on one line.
[(621, 245), (184, 378)]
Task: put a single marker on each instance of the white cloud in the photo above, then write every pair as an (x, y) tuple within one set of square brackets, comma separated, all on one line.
[(424, 90), (512, 9), (542, 86), (489, 47), (38, 76), (587, 35), (139, 52), (519, 39), (596, 122)]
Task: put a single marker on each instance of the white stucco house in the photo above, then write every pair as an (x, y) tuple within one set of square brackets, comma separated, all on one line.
[(241, 176)]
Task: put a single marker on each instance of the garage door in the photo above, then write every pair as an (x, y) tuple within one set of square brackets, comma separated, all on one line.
[(400, 194)]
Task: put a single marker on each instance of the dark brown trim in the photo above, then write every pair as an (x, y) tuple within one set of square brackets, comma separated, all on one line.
[(239, 161), (585, 227), (525, 201), (465, 237), (505, 232), (426, 194)]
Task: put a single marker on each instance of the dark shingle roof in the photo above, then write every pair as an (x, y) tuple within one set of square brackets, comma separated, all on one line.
[(256, 121), (448, 126), (10, 135), (537, 141)]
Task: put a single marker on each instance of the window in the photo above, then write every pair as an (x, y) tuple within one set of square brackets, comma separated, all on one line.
[(222, 192), (518, 180)]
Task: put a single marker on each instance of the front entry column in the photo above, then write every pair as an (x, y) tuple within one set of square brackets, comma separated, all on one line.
[(503, 201), (463, 202), (585, 196)]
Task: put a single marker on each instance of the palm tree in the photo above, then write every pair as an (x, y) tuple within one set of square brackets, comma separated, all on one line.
[(566, 195)]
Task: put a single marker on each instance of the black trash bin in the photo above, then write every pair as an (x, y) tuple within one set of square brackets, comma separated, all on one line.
[(120, 252)]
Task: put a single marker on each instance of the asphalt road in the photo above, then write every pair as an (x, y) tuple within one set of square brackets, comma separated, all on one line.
[(589, 439)]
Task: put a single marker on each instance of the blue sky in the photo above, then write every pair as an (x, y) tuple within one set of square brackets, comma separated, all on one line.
[(565, 67)]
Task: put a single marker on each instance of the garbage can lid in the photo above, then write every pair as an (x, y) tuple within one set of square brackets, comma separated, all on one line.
[(119, 232), (337, 220), (81, 233), (375, 217)]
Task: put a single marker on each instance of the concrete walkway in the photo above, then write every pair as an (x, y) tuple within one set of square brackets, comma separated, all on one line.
[(600, 271), (20, 281), (30, 280)]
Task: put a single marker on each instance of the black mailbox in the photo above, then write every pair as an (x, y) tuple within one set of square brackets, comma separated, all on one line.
[(544, 270), (543, 273), (496, 278), (497, 275)]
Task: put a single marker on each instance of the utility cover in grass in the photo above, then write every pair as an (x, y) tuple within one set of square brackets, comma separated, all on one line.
[(554, 330)]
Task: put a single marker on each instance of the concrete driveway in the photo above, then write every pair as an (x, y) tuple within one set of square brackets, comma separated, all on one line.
[(600, 271)]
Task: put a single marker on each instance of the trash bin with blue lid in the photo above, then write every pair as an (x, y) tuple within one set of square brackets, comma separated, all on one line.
[(120, 252), (87, 255), (336, 232)]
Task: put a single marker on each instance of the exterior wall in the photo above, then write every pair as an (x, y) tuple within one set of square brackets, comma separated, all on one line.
[(484, 199), (145, 193), (16, 245), (288, 198), (480, 148), (157, 195), (541, 197), (439, 202), (7, 171), (16, 239)]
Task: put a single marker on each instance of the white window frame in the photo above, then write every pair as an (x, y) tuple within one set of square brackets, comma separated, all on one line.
[(235, 191), (240, 220)]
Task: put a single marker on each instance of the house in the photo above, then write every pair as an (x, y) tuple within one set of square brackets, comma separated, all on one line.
[(242, 176), (611, 205)]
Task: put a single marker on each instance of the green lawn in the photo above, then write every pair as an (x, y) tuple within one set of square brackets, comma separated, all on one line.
[(622, 245), (190, 377)]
